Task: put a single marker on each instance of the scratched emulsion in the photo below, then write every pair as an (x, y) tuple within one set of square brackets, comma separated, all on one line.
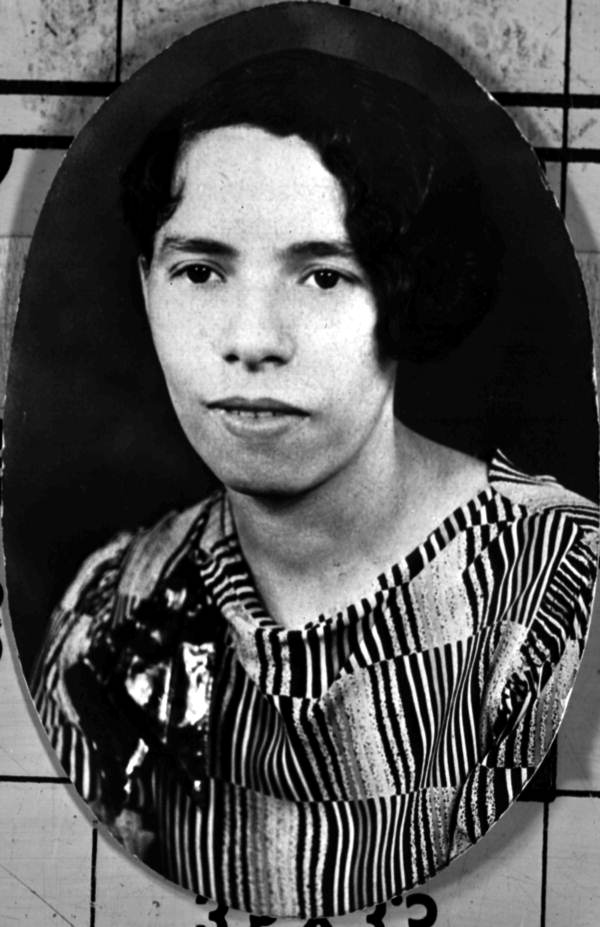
[(23, 190), (574, 822), (148, 28), (584, 127), (542, 126), (585, 37), (32, 891), (507, 44), (590, 271), (44, 114), (13, 252), (583, 205), (579, 738), (57, 39), (45, 856)]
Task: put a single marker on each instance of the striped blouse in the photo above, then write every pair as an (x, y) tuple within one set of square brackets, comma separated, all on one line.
[(315, 771)]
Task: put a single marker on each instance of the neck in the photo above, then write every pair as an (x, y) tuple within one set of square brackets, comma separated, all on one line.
[(312, 545)]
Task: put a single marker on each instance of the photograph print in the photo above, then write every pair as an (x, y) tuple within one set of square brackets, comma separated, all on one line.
[(301, 463)]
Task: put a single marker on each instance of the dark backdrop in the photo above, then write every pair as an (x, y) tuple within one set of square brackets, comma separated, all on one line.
[(91, 442)]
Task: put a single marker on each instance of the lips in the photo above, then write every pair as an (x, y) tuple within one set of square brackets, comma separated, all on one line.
[(255, 421), (262, 407)]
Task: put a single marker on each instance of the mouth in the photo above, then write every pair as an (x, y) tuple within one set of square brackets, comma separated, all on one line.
[(262, 408), (256, 418)]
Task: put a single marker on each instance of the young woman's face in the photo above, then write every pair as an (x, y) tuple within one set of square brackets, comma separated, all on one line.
[(262, 317)]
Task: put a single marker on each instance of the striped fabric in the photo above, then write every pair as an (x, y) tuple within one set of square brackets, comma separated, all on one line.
[(347, 761)]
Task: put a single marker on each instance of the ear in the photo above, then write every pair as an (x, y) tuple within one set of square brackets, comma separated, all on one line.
[(143, 271)]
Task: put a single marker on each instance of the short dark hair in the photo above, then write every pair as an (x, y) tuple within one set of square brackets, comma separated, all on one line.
[(413, 200)]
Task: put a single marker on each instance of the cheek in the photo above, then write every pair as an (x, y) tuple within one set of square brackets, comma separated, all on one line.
[(345, 331), (182, 370), (354, 361), (180, 346)]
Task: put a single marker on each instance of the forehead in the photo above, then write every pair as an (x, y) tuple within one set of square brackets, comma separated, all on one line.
[(242, 181)]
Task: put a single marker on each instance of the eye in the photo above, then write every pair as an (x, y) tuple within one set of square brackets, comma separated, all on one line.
[(198, 273), (326, 279)]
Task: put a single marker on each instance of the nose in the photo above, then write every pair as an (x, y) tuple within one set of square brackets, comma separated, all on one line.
[(257, 333)]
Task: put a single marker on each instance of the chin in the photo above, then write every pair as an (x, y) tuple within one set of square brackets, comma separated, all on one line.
[(267, 485), (265, 488)]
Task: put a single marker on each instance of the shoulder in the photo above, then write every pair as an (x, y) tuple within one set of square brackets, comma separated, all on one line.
[(116, 577), (106, 592), (132, 562), (545, 556), (154, 549), (546, 549), (542, 497)]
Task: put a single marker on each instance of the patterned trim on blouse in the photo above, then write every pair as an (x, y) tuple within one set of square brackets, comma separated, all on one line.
[(315, 771)]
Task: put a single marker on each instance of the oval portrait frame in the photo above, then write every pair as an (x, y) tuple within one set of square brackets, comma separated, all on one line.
[(513, 383)]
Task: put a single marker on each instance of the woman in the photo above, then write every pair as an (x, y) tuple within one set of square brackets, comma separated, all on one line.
[(313, 689)]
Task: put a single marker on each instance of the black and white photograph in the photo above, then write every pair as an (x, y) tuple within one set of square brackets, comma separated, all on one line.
[(301, 471)]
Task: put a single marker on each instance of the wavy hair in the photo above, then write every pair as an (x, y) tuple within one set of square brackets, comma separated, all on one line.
[(413, 202)]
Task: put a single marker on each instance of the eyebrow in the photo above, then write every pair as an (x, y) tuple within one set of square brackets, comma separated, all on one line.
[(197, 246), (320, 249), (298, 251)]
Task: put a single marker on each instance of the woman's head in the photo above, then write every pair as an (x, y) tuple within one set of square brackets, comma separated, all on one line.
[(413, 211)]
